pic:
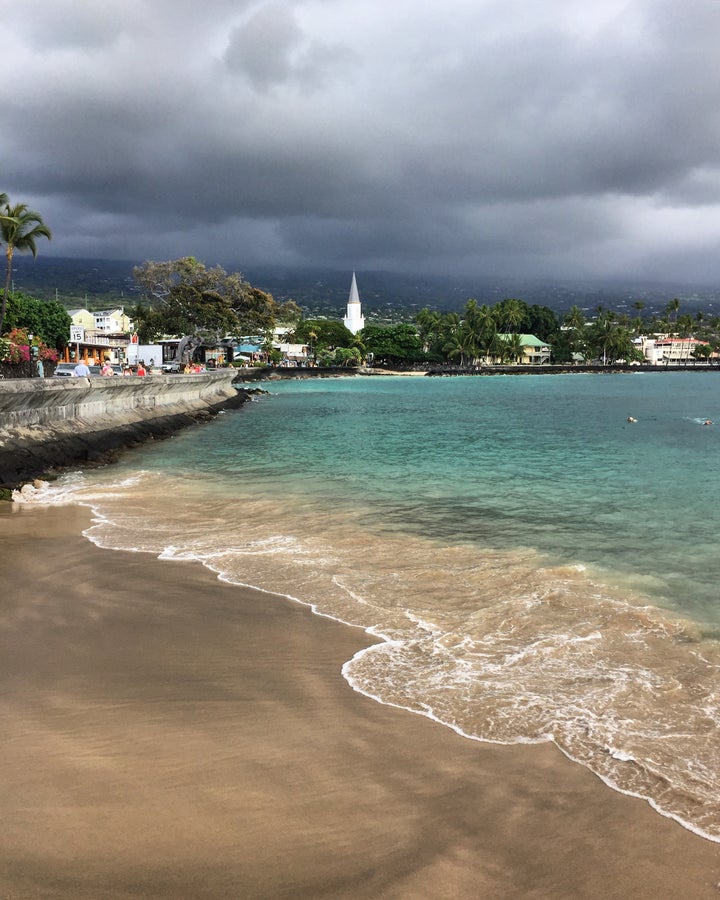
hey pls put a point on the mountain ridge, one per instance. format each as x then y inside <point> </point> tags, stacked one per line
<point>76,281</point>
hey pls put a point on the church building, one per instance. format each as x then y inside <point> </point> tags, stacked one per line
<point>354,319</point>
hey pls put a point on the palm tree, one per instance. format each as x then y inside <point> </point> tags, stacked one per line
<point>473,322</point>
<point>575,324</point>
<point>461,343</point>
<point>428,325</point>
<point>514,347</point>
<point>512,314</point>
<point>486,323</point>
<point>672,307</point>
<point>20,227</point>
<point>604,334</point>
<point>496,352</point>
<point>574,318</point>
<point>684,324</point>
<point>312,338</point>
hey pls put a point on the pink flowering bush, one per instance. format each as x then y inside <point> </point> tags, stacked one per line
<point>16,356</point>
<point>13,353</point>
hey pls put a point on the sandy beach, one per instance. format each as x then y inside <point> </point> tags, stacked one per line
<point>168,736</point>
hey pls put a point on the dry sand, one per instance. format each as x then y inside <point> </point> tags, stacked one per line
<point>165,735</point>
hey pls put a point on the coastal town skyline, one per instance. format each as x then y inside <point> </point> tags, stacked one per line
<point>471,138</point>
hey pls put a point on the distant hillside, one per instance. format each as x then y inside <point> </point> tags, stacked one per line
<point>384,295</point>
<point>75,281</point>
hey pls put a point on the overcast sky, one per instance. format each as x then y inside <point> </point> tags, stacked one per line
<point>566,138</point>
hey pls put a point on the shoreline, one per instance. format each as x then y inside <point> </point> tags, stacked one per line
<point>35,451</point>
<point>197,739</point>
<point>43,451</point>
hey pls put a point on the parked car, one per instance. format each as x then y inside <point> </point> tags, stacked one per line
<point>64,370</point>
<point>97,370</point>
<point>171,367</point>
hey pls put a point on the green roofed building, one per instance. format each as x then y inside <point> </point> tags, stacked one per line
<point>534,351</point>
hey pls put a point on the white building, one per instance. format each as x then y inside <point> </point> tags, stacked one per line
<point>664,349</point>
<point>354,319</point>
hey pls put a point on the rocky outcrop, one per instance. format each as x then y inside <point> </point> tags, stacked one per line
<point>47,425</point>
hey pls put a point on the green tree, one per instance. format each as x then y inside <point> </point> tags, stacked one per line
<point>46,319</point>
<point>702,351</point>
<point>563,347</point>
<point>461,345</point>
<point>574,318</point>
<point>480,324</point>
<point>20,228</point>
<point>610,341</point>
<point>428,323</point>
<point>512,314</point>
<point>449,324</point>
<point>323,334</point>
<point>542,322</point>
<point>684,324</point>
<point>672,307</point>
<point>514,349</point>
<point>348,356</point>
<point>393,344</point>
<point>573,339</point>
<point>184,297</point>
<point>472,329</point>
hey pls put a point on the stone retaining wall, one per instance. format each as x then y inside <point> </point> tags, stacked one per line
<point>47,424</point>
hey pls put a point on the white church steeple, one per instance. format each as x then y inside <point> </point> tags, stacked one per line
<point>354,319</point>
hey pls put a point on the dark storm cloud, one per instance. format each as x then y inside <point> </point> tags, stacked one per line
<point>510,136</point>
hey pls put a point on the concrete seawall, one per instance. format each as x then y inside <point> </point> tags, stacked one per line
<point>50,424</point>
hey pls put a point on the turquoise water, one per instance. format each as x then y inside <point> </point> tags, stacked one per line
<point>543,462</point>
<point>538,567</point>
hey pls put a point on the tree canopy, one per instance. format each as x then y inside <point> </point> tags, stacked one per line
<point>20,228</point>
<point>185,297</point>
<point>396,344</point>
<point>323,334</point>
<point>46,319</point>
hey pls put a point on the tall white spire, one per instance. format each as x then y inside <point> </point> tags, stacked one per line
<point>354,319</point>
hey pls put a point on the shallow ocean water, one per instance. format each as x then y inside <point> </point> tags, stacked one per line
<point>539,568</point>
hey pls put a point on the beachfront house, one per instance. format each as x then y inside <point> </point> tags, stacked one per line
<point>534,351</point>
<point>667,349</point>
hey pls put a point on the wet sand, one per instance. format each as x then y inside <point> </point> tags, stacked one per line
<point>168,736</point>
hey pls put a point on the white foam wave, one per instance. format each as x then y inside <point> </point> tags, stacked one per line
<point>491,645</point>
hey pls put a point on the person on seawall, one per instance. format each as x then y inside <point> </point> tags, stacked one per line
<point>107,369</point>
<point>141,368</point>
<point>81,370</point>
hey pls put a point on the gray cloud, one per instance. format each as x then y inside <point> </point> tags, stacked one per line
<point>503,137</point>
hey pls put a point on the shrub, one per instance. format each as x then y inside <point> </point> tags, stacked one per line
<point>17,353</point>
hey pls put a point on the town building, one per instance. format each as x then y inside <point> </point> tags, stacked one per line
<point>95,336</point>
<point>668,349</point>
<point>354,320</point>
<point>534,351</point>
